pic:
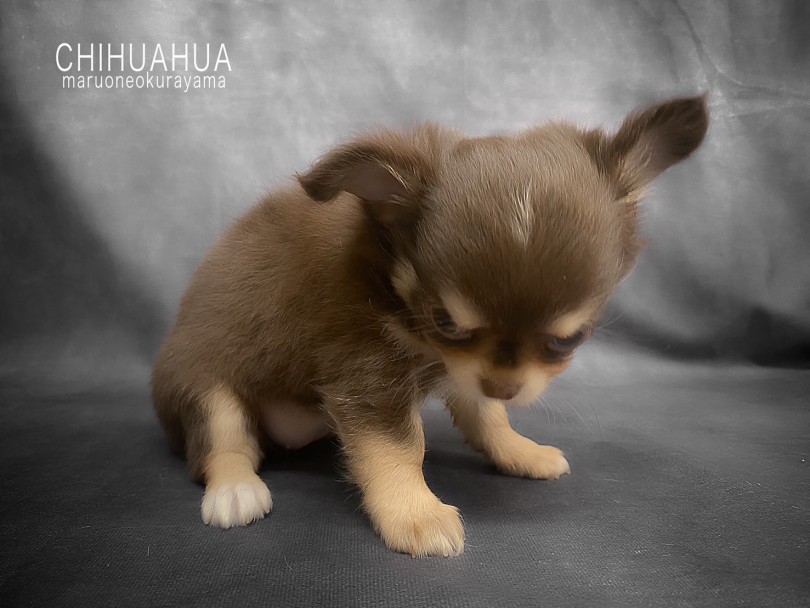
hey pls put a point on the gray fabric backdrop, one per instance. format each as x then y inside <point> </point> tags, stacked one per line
<point>109,198</point>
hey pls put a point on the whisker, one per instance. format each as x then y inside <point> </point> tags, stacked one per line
<point>598,424</point>
<point>415,377</point>
<point>543,406</point>
<point>611,321</point>
<point>574,409</point>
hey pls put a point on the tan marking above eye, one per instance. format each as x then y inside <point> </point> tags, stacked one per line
<point>571,322</point>
<point>464,314</point>
<point>403,278</point>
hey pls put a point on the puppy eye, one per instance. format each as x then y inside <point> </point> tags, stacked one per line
<point>565,346</point>
<point>445,325</point>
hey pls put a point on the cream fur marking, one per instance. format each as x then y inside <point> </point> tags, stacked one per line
<point>464,314</point>
<point>234,494</point>
<point>403,278</point>
<point>466,374</point>
<point>406,514</point>
<point>571,322</point>
<point>534,381</point>
<point>486,428</point>
<point>523,217</point>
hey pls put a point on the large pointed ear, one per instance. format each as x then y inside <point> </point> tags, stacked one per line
<point>389,171</point>
<point>647,143</point>
<point>652,140</point>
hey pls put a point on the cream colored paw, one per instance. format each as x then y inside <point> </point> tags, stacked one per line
<point>229,505</point>
<point>433,530</point>
<point>522,457</point>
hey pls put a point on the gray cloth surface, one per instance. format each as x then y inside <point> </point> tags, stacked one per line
<point>685,419</point>
<point>689,487</point>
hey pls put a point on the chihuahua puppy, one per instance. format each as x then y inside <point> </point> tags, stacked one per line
<point>400,265</point>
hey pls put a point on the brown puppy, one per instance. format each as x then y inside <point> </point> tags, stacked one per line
<point>405,264</point>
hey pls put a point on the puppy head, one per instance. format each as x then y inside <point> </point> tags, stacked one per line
<point>503,250</point>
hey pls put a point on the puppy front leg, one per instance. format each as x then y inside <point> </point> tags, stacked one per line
<point>486,428</point>
<point>234,494</point>
<point>386,463</point>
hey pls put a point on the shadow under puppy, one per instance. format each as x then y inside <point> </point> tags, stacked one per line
<point>403,264</point>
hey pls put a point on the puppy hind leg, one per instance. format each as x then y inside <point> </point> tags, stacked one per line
<point>234,494</point>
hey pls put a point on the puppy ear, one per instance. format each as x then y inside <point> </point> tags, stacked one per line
<point>647,143</point>
<point>389,171</point>
<point>652,140</point>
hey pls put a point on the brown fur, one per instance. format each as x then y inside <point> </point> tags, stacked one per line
<point>328,294</point>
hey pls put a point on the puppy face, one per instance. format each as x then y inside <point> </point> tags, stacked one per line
<point>503,250</point>
<point>489,355</point>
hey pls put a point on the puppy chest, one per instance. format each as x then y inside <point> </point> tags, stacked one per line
<point>293,425</point>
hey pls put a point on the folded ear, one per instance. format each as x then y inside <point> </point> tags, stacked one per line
<point>389,171</point>
<point>652,140</point>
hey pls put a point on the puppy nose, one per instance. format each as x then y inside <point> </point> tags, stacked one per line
<point>499,390</point>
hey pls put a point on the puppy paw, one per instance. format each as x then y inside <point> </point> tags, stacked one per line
<point>238,504</point>
<point>436,529</point>
<point>524,458</point>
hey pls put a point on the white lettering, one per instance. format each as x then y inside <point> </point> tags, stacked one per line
<point>58,63</point>
<point>207,58</point>
<point>226,61</point>
<point>111,56</point>
<point>184,57</point>
<point>143,58</point>
<point>180,76</point>
<point>79,56</point>
<point>155,60</point>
